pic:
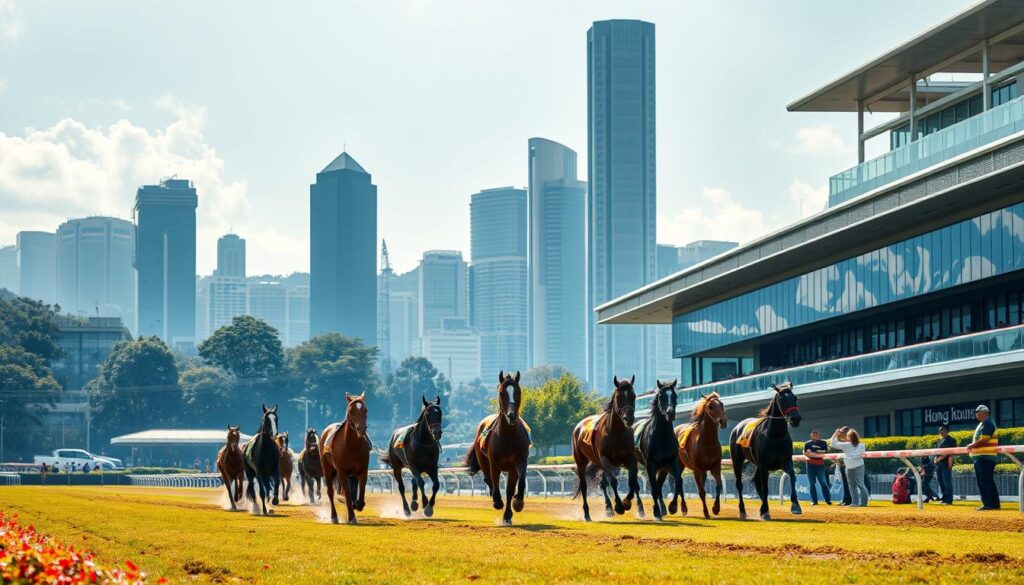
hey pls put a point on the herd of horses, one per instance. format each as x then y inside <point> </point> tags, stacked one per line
<point>602,445</point>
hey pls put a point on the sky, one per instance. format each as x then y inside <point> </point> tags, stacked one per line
<point>436,99</point>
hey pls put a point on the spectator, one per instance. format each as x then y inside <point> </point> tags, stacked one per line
<point>848,441</point>
<point>944,465</point>
<point>927,473</point>
<point>983,452</point>
<point>85,468</point>
<point>840,471</point>
<point>814,450</point>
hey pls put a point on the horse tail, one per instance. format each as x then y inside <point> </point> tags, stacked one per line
<point>472,464</point>
<point>590,477</point>
<point>250,489</point>
<point>385,457</point>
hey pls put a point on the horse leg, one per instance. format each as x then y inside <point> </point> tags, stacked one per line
<point>361,501</point>
<point>329,477</point>
<point>510,492</point>
<point>794,501</point>
<point>660,480</point>
<point>228,484</point>
<point>346,486</point>
<point>611,474</point>
<point>276,479</point>
<point>491,478</point>
<point>717,473</point>
<point>652,479</point>
<point>287,480</point>
<point>701,477</point>
<point>607,500</point>
<point>677,486</point>
<point>423,489</point>
<point>319,488</point>
<point>737,470</point>
<point>397,472</point>
<point>518,501</point>
<point>761,483</point>
<point>415,505</point>
<point>581,474</point>
<point>428,509</point>
<point>634,488</point>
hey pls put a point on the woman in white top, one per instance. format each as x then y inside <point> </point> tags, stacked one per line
<point>848,441</point>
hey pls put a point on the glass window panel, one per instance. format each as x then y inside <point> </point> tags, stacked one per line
<point>1006,238</point>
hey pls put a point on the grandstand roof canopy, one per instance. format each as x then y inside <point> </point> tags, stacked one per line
<point>175,437</point>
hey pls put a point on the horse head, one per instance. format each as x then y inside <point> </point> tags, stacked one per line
<point>431,416</point>
<point>355,413</point>
<point>623,402</point>
<point>311,438</point>
<point>712,407</point>
<point>269,424</point>
<point>509,396</point>
<point>665,400</point>
<point>786,401</point>
<point>282,440</point>
<point>234,435</point>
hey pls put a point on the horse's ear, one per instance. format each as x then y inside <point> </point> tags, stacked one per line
<point>501,376</point>
<point>363,396</point>
<point>264,409</point>
<point>702,396</point>
<point>674,382</point>
<point>348,397</point>
<point>517,376</point>
<point>425,403</point>
<point>437,400</point>
<point>615,381</point>
<point>632,379</point>
<point>274,409</point>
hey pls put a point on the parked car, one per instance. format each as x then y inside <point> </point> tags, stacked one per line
<point>77,459</point>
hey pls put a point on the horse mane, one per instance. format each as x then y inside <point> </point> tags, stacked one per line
<point>764,411</point>
<point>607,406</point>
<point>698,411</point>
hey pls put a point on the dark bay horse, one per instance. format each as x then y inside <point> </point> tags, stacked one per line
<point>770,447</point>
<point>700,450</point>
<point>287,464</point>
<point>604,442</point>
<point>502,443</point>
<point>418,447</point>
<point>656,449</point>
<point>231,465</point>
<point>345,457</point>
<point>310,470</point>
<point>263,461</point>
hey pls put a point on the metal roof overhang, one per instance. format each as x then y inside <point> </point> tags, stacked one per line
<point>175,437</point>
<point>951,46</point>
<point>658,301</point>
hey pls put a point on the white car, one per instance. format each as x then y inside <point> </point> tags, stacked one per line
<point>77,459</point>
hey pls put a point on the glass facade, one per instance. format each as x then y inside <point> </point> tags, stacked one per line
<point>1010,413</point>
<point>969,251</point>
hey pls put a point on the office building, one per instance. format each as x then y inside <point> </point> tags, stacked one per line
<point>899,307</point>
<point>268,300</point>
<point>559,310</point>
<point>231,255</point>
<point>343,251</point>
<point>454,349</point>
<point>37,266</point>
<point>9,277</point>
<point>95,275</point>
<point>498,278</point>
<point>165,261</point>
<point>442,289</point>
<point>621,197</point>
<point>297,316</point>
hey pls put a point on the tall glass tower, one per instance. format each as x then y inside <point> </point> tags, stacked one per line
<point>621,199</point>
<point>95,276</point>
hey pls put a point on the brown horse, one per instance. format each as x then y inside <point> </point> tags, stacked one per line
<point>287,465</point>
<point>310,470</point>
<point>700,450</point>
<point>231,465</point>
<point>502,443</point>
<point>345,457</point>
<point>604,442</point>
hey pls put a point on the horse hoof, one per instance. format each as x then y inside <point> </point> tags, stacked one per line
<point>797,511</point>
<point>360,505</point>
<point>658,518</point>
<point>743,515</point>
<point>407,513</point>
<point>766,516</point>
<point>716,509</point>
<point>334,519</point>
<point>586,518</point>
<point>517,504</point>
<point>428,511</point>
<point>619,508</point>
<point>626,505</point>
<point>707,516</point>
<point>609,512</point>
<point>414,505</point>
<point>672,508</point>
<point>498,504</point>
<point>353,521</point>
<point>640,514</point>
<point>506,522</point>
<point>275,501</point>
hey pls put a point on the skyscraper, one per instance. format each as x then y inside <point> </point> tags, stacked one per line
<point>497,275</point>
<point>343,251</point>
<point>231,255</point>
<point>268,300</point>
<point>297,315</point>
<point>442,289</point>
<point>558,304</point>
<point>9,268</point>
<point>621,197</point>
<point>226,292</point>
<point>165,261</point>
<point>95,276</point>
<point>37,266</point>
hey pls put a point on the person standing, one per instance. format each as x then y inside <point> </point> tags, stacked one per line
<point>983,453</point>
<point>848,441</point>
<point>944,465</point>
<point>815,450</point>
<point>927,474</point>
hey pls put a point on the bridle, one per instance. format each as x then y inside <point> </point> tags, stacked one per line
<point>775,406</point>
<point>430,431</point>
<point>657,399</point>
<point>265,426</point>
<point>617,411</point>
<point>714,419</point>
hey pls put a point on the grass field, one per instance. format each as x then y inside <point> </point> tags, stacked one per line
<point>186,536</point>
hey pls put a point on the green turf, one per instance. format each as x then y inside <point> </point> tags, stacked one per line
<point>185,536</point>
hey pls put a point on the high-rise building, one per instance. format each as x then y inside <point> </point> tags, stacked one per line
<point>268,300</point>
<point>404,308</point>
<point>343,251</point>
<point>621,196</point>
<point>497,276</point>
<point>37,266</point>
<point>699,251</point>
<point>95,276</point>
<point>165,261</point>
<point>203,307</point>
<point>454,349</point>
<point>442,289</point>
<point>231,255</point>
<point>9,268</point>
<point>558,305</point>
<point>297,316</point>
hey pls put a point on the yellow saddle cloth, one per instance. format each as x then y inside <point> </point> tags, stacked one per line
<point>588,425</point>
<point>683,433</point>
<point>488,424</point>
<point>748,432</point>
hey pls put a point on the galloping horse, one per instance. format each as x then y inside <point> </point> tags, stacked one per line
<point>765,441</point>
<point>656,449</point>
<point>502,443</point>
<point>310,469</point>
<point>263,461</point>
<point>418,447</point>
<point>345,457</point>
<point>605,442</point>
<point>287,465</point>
<point>231,465</point>
<point>700,450</point>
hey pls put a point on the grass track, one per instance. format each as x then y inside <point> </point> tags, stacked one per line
<point>184,534</point>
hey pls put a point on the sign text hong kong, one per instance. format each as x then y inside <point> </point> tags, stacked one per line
<point>951,414</point>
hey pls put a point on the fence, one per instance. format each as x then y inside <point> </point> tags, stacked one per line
<point>7,478</point>
<point>186,480</point>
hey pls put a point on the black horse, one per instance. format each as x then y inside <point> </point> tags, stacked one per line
<point>263,461</point>
<point>657,449</point>
<point>770,447</point>
<point>418,447</point>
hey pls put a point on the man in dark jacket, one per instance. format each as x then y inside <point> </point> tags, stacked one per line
<point>944,465</point>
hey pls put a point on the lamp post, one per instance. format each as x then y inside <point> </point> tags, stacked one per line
<point>305,402</point>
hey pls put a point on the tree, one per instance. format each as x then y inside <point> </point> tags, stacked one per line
<point>329,365</point>
<point>137,388</point>
<point>30,325</point>
<point>416,377</point>
<point>208,397</point>
<point>467,404</point>
<point>248,348</point>
<point>552,410</point>
<point>537,376</point>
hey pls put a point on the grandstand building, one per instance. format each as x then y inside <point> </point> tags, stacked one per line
<point>901,305</point>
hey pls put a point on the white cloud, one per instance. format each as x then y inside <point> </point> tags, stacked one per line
<point>718,217</point>
<point>71,170</point>
<point>811,199</point>
<point>10,20</point>
<point>817,139</point>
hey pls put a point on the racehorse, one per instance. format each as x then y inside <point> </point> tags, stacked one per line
<point>263,461</point>
<point>604,442</point>
<point>345,457</point>
<point>231,465</point>
<point>768,446</point>
<point>502,443</point>
<point>656,449</point>
<point>700,450</point>
<point>310,470</point>
<point>287,465</point>
<point>418,447</point>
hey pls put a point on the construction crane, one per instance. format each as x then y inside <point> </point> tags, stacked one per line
<point>384,311</point>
